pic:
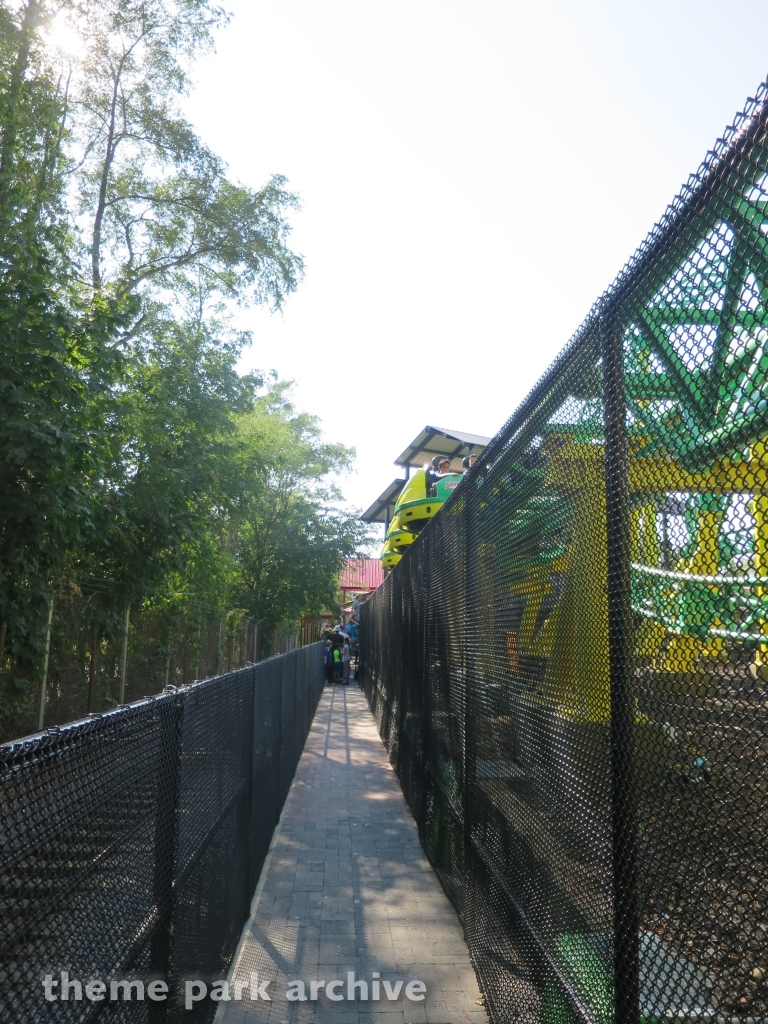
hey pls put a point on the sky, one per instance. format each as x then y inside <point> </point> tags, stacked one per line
<point>472,176</point>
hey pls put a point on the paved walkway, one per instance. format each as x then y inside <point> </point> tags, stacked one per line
<point>347,888</point>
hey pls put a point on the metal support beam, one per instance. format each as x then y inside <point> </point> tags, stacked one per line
<point>626,923</point>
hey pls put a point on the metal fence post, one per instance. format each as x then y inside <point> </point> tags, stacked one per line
<point>468,749</point>
<point>623,794</point>
<point>166,840</point>
<point>124,658</point>
<point>421,671</point>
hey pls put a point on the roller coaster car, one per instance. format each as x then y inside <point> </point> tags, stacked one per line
<point>395,543</point>
<point>397,537</point>
<point>389,557</point>
<point>414,506</point>
<point>400,539</point>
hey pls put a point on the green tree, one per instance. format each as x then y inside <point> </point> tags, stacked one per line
<point>177,441</point>
<point>93,298</point>
<point>136,465</point>
<point>56,357</point>
<point>290,535</point>
<point>162,224</point>
<point>160,210</point>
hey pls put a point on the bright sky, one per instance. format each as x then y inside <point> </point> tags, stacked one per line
<point>473,174</point>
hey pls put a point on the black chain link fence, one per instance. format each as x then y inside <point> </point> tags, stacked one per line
<point>569,667</point>
<point>132,842</point>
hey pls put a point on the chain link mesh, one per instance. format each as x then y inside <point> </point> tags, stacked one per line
<point>569,666</point>
<point>132,842</point>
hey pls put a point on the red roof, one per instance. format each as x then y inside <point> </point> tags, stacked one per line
<point>361,574</point>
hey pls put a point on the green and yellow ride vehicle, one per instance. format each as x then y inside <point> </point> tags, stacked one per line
<point>390,556</point>
<point>415,506</point>
<point>398,537</point>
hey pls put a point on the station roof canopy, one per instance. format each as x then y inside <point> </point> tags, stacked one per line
<point>377,513</point>
<point>440,441</point>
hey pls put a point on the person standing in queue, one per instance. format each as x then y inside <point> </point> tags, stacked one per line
<point>352,631</point>
<point>328,661</point>
<point>346,661</point>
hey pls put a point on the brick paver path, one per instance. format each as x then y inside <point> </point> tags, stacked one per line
<point>348,888</point>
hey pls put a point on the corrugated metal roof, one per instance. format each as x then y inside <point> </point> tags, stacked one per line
<point>441,441</point>
<point>361,574</point>
<point>377,513</point>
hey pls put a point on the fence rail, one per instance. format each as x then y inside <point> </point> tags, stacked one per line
<point>569,667</point>
<point>132,841</point>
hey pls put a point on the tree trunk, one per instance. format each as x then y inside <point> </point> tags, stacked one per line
<point>10,127</point>
<point>92,669</point>
<point>106,169</point>
<point>3,631</point>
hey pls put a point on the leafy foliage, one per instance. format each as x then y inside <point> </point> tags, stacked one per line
<point>137,467</point>
<point>291,536</point>
<point>161,212</point>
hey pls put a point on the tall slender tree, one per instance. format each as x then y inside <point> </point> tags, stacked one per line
<point>136,465</point>
<point>159,208</point>
<point>290,532</point>
<point>56,357</point>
